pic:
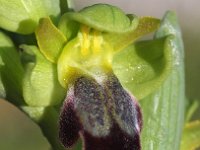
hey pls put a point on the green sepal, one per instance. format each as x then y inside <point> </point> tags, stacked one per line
<point>23,16</point>
<point>40,84</point>
<point>145,26</point>
<point>50,39</point>
<point>11,71</point>
<point>144,66</point>
<point>163,110</point>
<point>191,136</point>
<point>106,18</point>
<point>68,27</point>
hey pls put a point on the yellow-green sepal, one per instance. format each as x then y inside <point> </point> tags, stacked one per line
<point>50,40</point>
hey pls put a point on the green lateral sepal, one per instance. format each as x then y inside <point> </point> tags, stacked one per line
<point>40,85</point>
<point>144,66</point>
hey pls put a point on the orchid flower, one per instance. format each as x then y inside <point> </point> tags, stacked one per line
<point>85,77</point>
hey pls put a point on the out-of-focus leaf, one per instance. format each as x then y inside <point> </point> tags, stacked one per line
<point>40,85</point>
<point>50,39</point>
<point>68,27</point>
<point>120,41</point>
<point>143,67</point>
<point>22,16</point>
<point>104,17</point>
<point>11,71</point>
<point>46,118</point>
<point>163,110</point>
<point>191,136</point>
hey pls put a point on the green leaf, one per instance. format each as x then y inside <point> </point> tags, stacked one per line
<point>11,71</point>
<point>104,17</point>
<point>41,86</point>
<point>163,110</point>
<point>120,41</point>
<point>191,136</point>
<point>22,16</point>
<point>50,39</point>
<point>142,67</point>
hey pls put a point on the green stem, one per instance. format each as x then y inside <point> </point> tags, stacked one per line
<point>66,6</point>
<point>70,4</point>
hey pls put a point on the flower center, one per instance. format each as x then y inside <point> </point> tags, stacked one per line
<point>87,54</point>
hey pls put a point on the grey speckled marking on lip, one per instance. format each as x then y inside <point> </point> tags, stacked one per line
<point>90,106</point>
<point>105,115</point>
<point>124,107</point>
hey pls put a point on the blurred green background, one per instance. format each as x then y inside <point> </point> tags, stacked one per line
<point>17,132</point>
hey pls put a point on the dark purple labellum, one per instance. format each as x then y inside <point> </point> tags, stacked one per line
<point>104,115</point>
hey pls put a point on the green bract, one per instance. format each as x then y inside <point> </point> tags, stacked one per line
<point>163,109</point>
